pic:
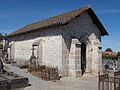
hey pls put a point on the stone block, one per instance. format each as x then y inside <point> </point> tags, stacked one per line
<point>19,82</point>
<point>15,81</point>
<point>3,84</point>
<point>78,73</point>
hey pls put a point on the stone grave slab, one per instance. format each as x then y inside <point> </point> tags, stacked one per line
<point>15,81</point>
<point>3,84</point>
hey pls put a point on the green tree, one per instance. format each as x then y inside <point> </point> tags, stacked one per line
<point>108,50</point>
<point>118,55</point>
<point>1,36</point>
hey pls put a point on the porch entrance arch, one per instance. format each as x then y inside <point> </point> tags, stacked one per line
<point>85,43</point>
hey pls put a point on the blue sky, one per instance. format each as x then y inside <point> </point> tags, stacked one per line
<point>15,14</point>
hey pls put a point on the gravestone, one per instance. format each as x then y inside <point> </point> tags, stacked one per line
<point>14,81</point>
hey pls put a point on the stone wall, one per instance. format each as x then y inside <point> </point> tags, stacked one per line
<point>23,50</point>
<point>75,59</point>
<point>52,52</point>
<point>57,42</point>
<point>83,26</point>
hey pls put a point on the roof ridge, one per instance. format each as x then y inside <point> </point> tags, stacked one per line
<point>57,20</point>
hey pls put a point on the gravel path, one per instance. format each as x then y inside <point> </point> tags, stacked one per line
<point>34,81</point>
<point>87,82</point>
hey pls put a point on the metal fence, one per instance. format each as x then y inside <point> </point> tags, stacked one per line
<point>109,83</point>
<point>45,73</point>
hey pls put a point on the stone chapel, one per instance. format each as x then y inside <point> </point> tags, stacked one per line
<point>70,41</point>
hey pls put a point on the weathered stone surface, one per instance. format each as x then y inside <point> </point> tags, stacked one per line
<point>14,81</point>
<point>3,84</point>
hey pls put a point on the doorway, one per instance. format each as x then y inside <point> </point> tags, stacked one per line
<point>83,58</point>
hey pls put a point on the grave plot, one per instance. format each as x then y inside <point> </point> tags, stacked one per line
<point>45,73</point>
<point>13,81</point>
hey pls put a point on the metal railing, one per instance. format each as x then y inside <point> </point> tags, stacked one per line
<point>45,73</point>
<point>109,83</point>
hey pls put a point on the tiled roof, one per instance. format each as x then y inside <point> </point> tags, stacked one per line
<point>61,20</point>
<point>109,54</point>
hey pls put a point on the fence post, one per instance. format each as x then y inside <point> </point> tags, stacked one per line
<point>119,84</point>
<point>107,84</point>
<point>98,80</point>
<point>114,84</point>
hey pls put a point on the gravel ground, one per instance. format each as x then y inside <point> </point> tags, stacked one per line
<point>87,82</point>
